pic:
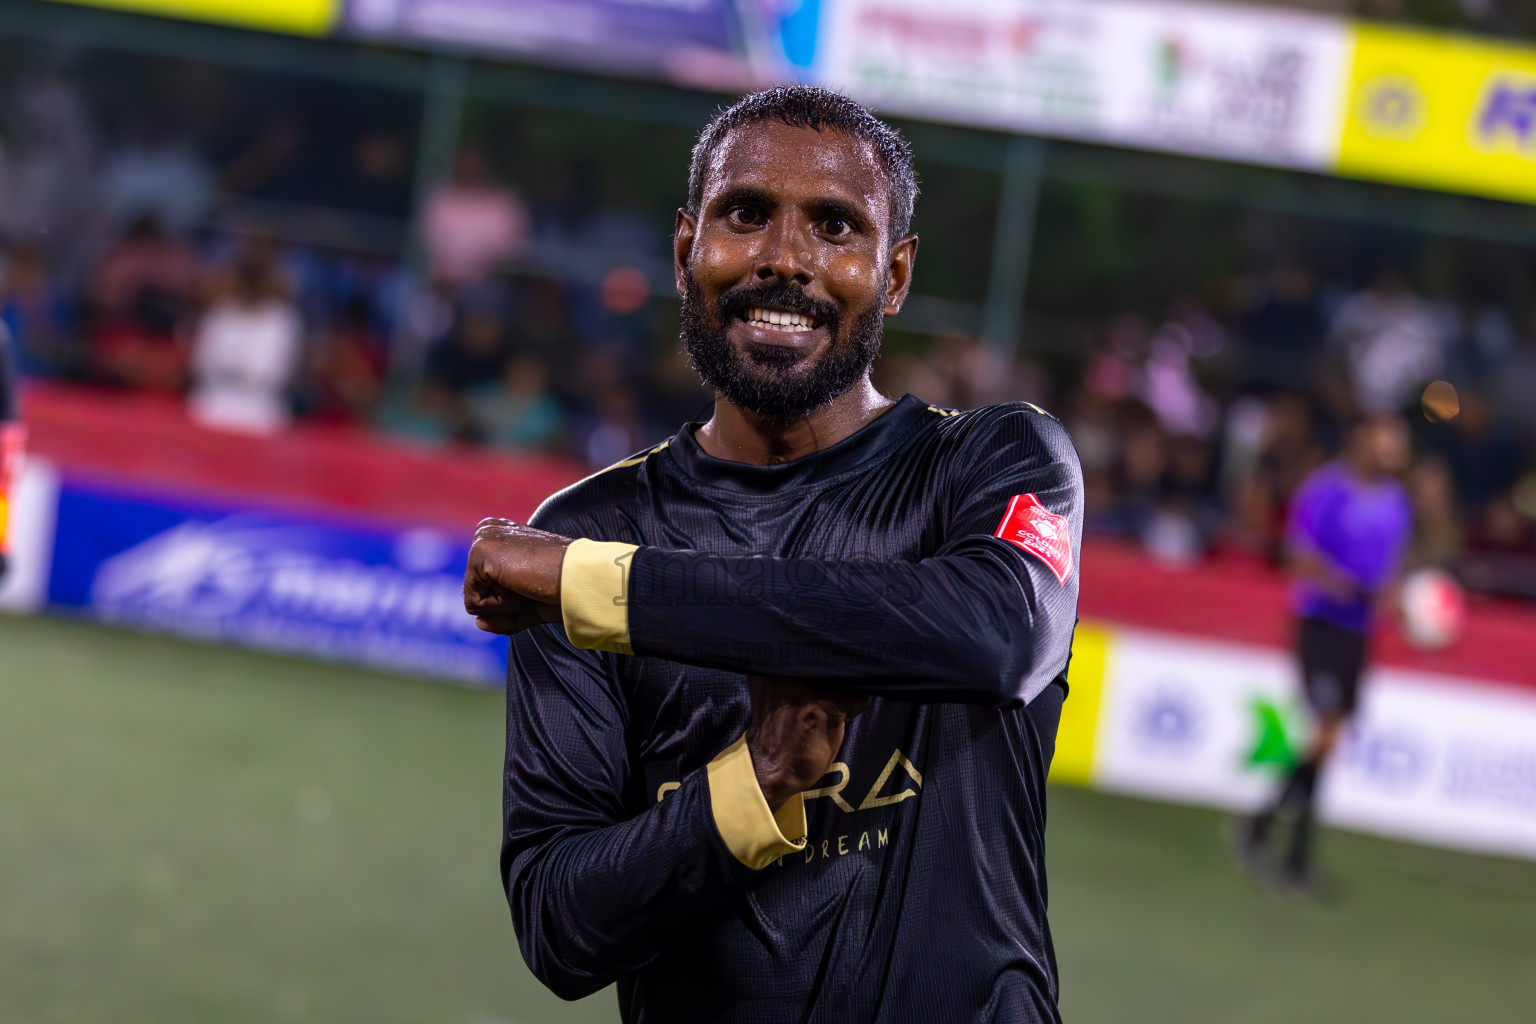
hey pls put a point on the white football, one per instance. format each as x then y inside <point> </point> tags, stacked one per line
<point>1433,608</point>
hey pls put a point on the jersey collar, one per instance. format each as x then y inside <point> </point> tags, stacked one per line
<point>877,437</point>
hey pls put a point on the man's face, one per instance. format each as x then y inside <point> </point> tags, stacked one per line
<point>789,270</point>
<point>1385,446</point>
<point>1393,449</point>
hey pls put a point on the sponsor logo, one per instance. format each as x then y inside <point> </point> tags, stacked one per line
<point>1277,735</point>
<point>1480,772</point>
<point>1032,527</point>
<point>1506,117</point>
<point>1392,759</point>
<point>899,780</point>
<point>1392,107</point>
<point>1169,720</point>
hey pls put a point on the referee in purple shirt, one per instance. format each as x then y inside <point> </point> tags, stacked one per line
<point>1350,524</point>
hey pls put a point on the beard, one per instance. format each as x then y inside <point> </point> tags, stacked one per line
<point>777,383</point>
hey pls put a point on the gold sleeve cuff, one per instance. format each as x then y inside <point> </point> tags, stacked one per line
<point>594,589</point>
<point>755,835</point>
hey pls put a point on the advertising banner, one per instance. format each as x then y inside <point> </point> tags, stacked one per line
<point>1252,84</point>
<point>1441,111</point>
<point>1445,761</point>
<point>688,39</point>
<point>297,17</point>
<point>341,591</point>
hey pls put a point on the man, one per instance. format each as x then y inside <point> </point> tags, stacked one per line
<point>692,808</point>
<point>1350,525</point>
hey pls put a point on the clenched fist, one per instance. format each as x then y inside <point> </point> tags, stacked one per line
<point>795,733</point>
<point>512,581</point>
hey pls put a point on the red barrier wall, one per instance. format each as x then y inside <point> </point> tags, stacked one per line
<point>149,441</point>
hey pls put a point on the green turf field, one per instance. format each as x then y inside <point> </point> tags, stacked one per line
<point>197,835</point>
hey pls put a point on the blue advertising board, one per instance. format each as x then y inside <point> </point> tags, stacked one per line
<point>381,597</point>
<point>730,44</point>
<point>625,35</point>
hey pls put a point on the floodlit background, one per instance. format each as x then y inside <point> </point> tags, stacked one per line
<point>431,240</point>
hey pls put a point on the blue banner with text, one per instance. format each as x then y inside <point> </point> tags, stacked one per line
<point>375,596</point>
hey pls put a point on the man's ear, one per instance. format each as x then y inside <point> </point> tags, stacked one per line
<point>682,247</point>
<point>899,274</point>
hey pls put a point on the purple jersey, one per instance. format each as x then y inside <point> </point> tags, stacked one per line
<point>1358,527</point>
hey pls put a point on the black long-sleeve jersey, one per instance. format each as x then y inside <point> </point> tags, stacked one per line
<point>926,561</point>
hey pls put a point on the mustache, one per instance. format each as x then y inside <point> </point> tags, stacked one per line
<point>735,303</point>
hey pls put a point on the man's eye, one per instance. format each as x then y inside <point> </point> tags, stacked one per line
<point>744,215</point>
<point>836,227</point>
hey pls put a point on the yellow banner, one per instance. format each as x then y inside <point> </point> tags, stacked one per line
<point>1073,762</point>
<point>1443,112</point>
<point>298,17</point>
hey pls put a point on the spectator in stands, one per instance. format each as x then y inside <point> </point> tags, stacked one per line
<point>542,322</point>
<point>1484,453</point>
<point>1189,515</point>
<point>247,348</point>
<point>582,237</point>
<point>1143,461</point>
<point>349,367</point>
<point>1515,380</point>
<point>1284,327</point>
<point>1166,381</point>
<point>1437,531</point>
<point>1091,421</point>
<point>428,416</point>
<point>1503,529</point>
<point>476,350</point>
<point>1501,549</point>
<point>472,225</point>
<point>615,435</point>
<point>1392,341</point>
<point>522,413</point>
<point>612,429</point>
<point>40,320</point>
<point>959,372</point>
<point>1288,450</point>
<point>1486,338</point>
<point>145,294</point>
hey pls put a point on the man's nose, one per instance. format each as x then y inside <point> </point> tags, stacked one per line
<point>784,256</point>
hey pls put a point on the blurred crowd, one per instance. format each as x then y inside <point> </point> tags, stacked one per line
<point>494,323</point>
<point>532,324</point>
<point>475,347</point>
<point>1195,430</point>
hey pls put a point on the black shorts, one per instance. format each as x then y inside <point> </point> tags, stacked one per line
<point>1332,659</point>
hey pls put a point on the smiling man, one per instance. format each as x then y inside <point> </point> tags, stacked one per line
<point>784,689</point>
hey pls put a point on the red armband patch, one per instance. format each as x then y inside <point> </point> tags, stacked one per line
<point>1031,526</point>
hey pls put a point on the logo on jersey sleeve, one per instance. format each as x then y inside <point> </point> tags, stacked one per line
<point>1031,526</point>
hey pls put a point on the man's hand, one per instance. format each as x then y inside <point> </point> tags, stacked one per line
<point>795,734</point>
<point>512,581</point>
<point>1319,571</point>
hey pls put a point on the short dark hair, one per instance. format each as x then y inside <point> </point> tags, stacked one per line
<point>808,106</point>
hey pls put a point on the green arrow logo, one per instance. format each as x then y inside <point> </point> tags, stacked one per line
<point>1278,735</point>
